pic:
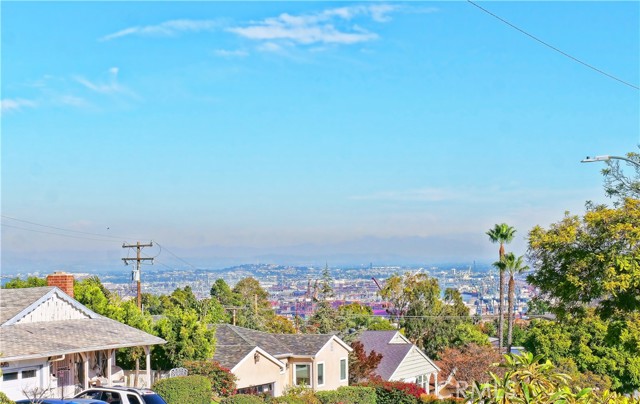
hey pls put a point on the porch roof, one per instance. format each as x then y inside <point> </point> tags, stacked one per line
<point>51,338</point>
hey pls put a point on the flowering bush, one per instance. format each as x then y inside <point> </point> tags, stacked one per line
<point>395,392</point>
<point>223,382</point>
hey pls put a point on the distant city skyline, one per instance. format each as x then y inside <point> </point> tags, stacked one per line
<point>304,131</point>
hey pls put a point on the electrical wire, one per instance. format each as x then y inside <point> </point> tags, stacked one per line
<point>553,47</point>
<point>56,234</point>
<point>182,260</point>
<point>115,237</point>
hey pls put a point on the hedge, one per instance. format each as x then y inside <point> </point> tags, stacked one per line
<point>348,395</point>
<point>184,389</point>
<point>242,399</point>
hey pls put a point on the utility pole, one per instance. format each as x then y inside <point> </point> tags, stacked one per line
<point>138,260</point>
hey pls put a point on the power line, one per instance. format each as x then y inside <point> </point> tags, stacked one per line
<point>554,48</point>
<point>115,237</point>
<point>170,252</point>
<point>55,234</point>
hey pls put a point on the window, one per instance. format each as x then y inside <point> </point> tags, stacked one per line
<point>303,375</point>
<point>266,389</point>
<point>422,381</point>
<point>320,373</point>
<point>26,374</point>
<point>343,369</point>
<point>7,377</point>
<point>133,399</point>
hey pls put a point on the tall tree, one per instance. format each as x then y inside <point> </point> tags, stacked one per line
<point>619,185</point>
<point>590,261</point>
<point>502,234</point>
<point>257,311</point>
<point>428,321</point>
<point>512,264</point>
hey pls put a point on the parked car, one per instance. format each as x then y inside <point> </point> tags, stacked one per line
<point>122,395</point>
<point>61,401</point>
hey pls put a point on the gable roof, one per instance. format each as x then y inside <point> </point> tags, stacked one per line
<point>263,353</point>
<point>234,343</point>
<point>20,340</point>
<point>17,303</point>
<point>392,353</point>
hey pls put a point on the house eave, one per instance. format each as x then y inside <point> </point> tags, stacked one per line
<point>47,354</point>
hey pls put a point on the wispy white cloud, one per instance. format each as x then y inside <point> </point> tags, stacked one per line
<point>477,195</point>
<point>331,26</point>
<point>231,53</point>
<point>15,104</point>
<point>110,87</point>
<point>167,28</point>
<point>424,195</point>
<point>72,101</point>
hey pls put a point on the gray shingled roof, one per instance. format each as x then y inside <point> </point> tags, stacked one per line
<point>231,341</point>
<point>13,301</point>
<point>229,355</point>
<point>392,354</point>
<point>51,338</point>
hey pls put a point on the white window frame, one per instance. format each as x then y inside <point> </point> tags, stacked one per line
<point>346,369</point>
<point>324,377</point>
<point>295,373</point>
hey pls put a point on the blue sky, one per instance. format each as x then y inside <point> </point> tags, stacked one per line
<point>265,126</point>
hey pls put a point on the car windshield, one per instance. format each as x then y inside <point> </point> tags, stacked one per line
<point>153,399</point>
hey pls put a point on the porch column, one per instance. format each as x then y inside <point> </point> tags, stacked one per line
<point>109,365</point>
<point>85,367</point>
<point>437,390</point>
<point>147,352</point>
<point>427,383</point>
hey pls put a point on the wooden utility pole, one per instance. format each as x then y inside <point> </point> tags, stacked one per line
<point>138,260</point>
<point>233,309</point>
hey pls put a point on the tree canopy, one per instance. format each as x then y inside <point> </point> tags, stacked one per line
<point>592,260</point>
<point>430,322</point>
<point>619,185</point>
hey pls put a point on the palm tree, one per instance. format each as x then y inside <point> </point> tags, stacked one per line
<point>503,234</point>
<point>512,265</point>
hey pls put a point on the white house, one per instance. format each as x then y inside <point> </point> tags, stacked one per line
<point>50,341</point>
<point>401,360</point>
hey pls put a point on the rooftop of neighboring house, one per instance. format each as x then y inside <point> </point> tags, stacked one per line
<point>233,343</point>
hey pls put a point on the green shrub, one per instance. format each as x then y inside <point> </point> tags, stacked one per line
<point>4,399</point>
<point>289,400</point>
<point>431,399</point>
<point>348,395</point>
<point>242,399</point>
<point>184,389</point>
<point>223,382</point>
<point>297,395</point>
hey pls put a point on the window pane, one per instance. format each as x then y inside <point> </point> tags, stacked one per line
<point>343,369</point>
<point>302,374</point>
<point>26,374</point>
<point>320,373</point>
<point>6,377</point>
<point>133,399</point>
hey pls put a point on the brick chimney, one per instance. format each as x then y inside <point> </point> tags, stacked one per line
<point>62,280</point>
